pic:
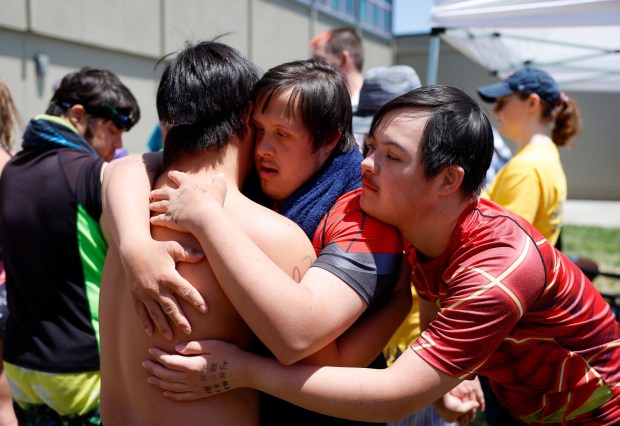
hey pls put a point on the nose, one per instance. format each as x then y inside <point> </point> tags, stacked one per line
<point>368,164</point>
<point>264,147</point>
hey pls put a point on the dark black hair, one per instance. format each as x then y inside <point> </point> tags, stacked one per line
<point>100,92</point>
<point>203,95</point>
<point>457,132</point>
<point>319,96</point>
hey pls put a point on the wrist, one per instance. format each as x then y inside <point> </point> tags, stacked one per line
<point>134,244</point>
<point>207,216</point>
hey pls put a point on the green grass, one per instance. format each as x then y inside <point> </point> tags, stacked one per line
<point>599,244</point>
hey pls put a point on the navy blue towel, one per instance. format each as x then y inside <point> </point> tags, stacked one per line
<point>311,201</point>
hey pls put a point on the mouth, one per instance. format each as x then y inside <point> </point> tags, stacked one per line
<point>267,171</point>
<point>367,185</point>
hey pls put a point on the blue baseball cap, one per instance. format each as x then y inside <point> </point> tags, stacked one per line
<point>527,81</point>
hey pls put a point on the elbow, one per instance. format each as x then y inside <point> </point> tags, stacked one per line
<point>289,352</point>
<point>398,412</point>
<point>288,356</point>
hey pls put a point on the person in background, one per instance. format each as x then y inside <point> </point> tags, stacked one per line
<point>532,111</point>
<point>381,85</point>
<point>496,298</point>
<point>342,48</point>
<point>501,155</point>
<point>50,206</point>
<point>10,123</point>
<point>156,141</point>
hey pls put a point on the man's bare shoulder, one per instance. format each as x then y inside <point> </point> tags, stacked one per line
<point>279,237</point>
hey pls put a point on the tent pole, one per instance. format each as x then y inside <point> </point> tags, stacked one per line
<point>433,56</point>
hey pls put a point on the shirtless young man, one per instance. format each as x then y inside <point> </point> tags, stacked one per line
<point>205,95</point>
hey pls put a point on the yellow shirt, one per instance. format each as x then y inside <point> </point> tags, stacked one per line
<point>406,334</point>
<point>533,185</point>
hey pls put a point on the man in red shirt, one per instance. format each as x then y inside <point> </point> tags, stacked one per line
<point>496,298</point>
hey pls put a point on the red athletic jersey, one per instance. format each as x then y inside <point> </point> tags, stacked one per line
<point>360,250</point>
<point>516,310</point>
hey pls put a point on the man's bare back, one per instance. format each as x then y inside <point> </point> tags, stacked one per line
<point>126,397</point>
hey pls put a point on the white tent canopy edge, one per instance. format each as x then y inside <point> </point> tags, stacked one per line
<point>578,42</point>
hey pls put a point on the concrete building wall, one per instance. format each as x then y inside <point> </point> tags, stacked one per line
<point>591,166</point>
<point>129,37</point>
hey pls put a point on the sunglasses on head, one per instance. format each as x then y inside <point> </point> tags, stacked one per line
<point>107,111</point>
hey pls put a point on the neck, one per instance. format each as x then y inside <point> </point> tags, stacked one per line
<point>431,234</point>
<point>532,132</point>
<point>355,80</point>
<point>207,164</point>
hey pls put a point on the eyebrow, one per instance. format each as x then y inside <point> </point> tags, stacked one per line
<point>394,144</point>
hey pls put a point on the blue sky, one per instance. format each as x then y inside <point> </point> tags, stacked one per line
<point>411,16</point>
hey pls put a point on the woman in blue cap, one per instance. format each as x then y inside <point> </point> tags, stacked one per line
<point>532,111</point>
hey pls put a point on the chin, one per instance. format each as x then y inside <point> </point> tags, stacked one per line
<point>273,193</point>
<point>370,207</point>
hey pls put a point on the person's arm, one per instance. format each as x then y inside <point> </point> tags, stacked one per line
<point>362,342</point>
<point>150,264</point>
<point>353,393</point>
<point>466,390</point>
<point>357,347</point>
<point>292,320</point>
<point>428,312</point>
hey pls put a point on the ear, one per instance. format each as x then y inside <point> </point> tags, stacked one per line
<point>450,179</point>
<point>328,148</point>
<point>247,118</point>
<point>345,60</point>
<point>533,101</point>
<point>76,114</point>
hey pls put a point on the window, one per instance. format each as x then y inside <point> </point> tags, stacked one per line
<point>371,15</point>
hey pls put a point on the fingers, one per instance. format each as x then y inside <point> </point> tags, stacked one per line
<point>177,177</point>
<point>161,220</point>
<point>172,311</point>
<point>469,408</point>
<point>184,396</point>
<point>163,373</point>
<point>195,347</point>
<point>180,285</point>
<point>143,316</point>
<point>160,320</point>
<point>479,394</point>
<point>159,206</point>
<point>165,385</point>
<point>177,368</point>
<point>162,309</point>
<point>181,253</point>
<point>193,296</point>
<point>160,194</point>
<point>154,313</point>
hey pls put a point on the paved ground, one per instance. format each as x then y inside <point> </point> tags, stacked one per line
<point>605,214</point>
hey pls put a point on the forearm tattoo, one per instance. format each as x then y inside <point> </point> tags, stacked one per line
<point>215,377</point>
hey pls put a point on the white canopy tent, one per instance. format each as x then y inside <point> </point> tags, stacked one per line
<point>576,41</point>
